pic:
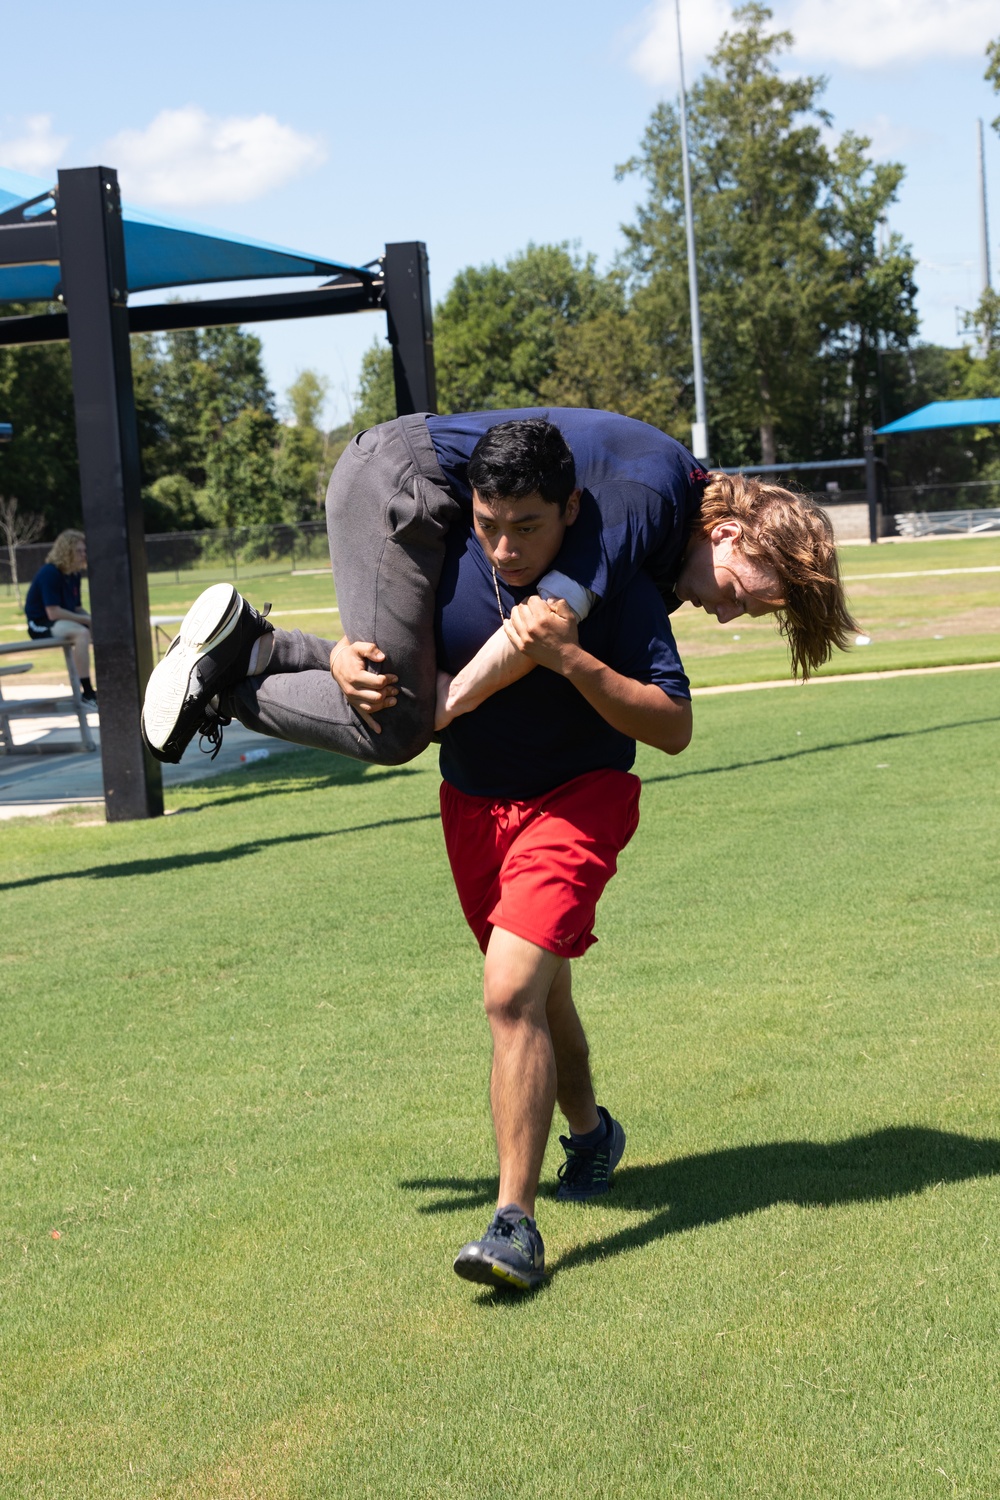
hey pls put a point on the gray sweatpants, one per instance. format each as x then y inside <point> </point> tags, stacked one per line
<point>388,509</point>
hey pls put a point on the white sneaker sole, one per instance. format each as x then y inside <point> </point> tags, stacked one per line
<point>203,627</point>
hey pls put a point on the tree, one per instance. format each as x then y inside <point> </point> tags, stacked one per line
<point>542,329</point>
<point>496,331</point>
<point>992,74</point>
<point>189,386</point>
<point>785,255</point>
<point>242,487</point>
<point>302,465</point>
<point>875,290</point>
<point>610,362</point>
<point>36,396</point>
<point>376,398</point>
<point>17,528</point>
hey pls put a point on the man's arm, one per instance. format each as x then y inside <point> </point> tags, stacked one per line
<point>547,632</point>
<point>56,612</point>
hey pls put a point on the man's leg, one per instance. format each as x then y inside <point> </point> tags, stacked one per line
<point>388,513</point>
<point>574,1085</point>
<point>516,984</point>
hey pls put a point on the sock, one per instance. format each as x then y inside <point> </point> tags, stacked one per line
<point>592,1137</point>
<point>86,685</point>
<point>260,654</point>
<point>513,1213</point>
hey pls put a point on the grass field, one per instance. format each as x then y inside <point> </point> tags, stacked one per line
<point>916,614</point>
<point>243,1130</point>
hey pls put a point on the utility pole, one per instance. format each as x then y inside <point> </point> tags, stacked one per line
<point>699,432</point>
<point>984,224</point>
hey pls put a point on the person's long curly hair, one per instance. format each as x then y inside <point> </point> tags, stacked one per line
<point>790,534</point>
<point>63,548</point>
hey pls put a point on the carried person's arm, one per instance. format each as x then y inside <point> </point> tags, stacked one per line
<point>498,663</point>
<point>546,631</point>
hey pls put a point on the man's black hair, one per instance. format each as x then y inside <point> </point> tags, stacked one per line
<point>525,457</point>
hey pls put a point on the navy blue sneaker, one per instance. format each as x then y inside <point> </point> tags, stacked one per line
<point>510,1253</point>
<point>211,653</point>
<point>586,1171</point>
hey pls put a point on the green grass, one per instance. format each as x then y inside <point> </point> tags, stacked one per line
<point>245,1080</point>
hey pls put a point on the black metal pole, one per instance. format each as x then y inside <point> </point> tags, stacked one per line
<point>92,257</point>
<point>871,485</point>
<point>407,300</point>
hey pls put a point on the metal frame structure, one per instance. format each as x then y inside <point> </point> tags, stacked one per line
<point>84,236</point>
<point>876,475</point>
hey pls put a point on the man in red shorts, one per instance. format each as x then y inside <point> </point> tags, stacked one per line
<point>537,801</point>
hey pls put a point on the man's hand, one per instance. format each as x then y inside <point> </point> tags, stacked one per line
<point>367,691</point>
<point>545,630</point>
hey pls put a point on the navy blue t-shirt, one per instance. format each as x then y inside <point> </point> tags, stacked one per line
<point>541,732</point>
<point>641,491</point>
<point>51,585</point>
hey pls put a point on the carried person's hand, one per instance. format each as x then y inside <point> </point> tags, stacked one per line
<point>355,669</point>
<point>543,629</point>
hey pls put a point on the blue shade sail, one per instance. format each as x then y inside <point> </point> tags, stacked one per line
<point>982,413</point>
<point>159,252</point>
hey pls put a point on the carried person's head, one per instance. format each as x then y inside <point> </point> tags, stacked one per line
<point>69,552</point>
<point>524,496</point>
<point>760,549</point>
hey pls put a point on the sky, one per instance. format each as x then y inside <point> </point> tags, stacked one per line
<point>335,128</point>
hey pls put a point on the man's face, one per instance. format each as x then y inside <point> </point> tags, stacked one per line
<point>79,556</point>
<point>522,537</point>
<point>716,576</point>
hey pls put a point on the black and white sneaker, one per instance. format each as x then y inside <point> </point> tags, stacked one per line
<point>211,653</point>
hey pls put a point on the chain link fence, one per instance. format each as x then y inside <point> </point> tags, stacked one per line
<point>228,553</point>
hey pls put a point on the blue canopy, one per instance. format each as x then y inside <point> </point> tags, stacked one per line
<point>159,252</point>
<point>981,413</point>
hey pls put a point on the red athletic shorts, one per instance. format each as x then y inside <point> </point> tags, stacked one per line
<point>538,868</point>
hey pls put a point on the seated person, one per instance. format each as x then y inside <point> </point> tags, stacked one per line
<point>727,544</point>
<point>53,604</point>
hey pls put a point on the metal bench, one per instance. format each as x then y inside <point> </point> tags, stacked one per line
<point>25,708</point>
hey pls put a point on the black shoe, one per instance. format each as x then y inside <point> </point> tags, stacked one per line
<point>586,1171</point>
<point>88,697</point>
<point>211,653</point>
<point>510,1253</point>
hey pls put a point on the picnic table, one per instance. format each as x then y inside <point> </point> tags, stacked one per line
<point>23,708</point>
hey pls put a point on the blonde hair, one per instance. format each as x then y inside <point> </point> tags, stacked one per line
<point>63,548</point>
<point>793,537</point>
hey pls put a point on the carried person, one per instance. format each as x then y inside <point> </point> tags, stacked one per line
<point>645,504</point>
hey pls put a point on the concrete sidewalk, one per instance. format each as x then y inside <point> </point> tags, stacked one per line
<point>34,784</point>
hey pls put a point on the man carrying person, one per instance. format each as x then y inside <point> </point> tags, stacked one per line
<point>537,801</point>
<point>394,494</point>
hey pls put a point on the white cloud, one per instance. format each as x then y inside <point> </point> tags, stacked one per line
<point>702,23</point>
<point>187,158</point>
<point>35,149</point>
<point>873,33</point>
<point>863,33</point>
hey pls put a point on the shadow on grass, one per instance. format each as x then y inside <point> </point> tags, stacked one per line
<point>353,773</point>
<point>770,760</point>
<point>169,862</point>
<point>696,1191</point>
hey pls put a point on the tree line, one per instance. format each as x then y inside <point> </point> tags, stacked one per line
<point>809,327</point>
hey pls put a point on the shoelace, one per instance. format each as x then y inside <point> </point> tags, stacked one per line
<point>581,1161</point>
<point>210,733</point>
